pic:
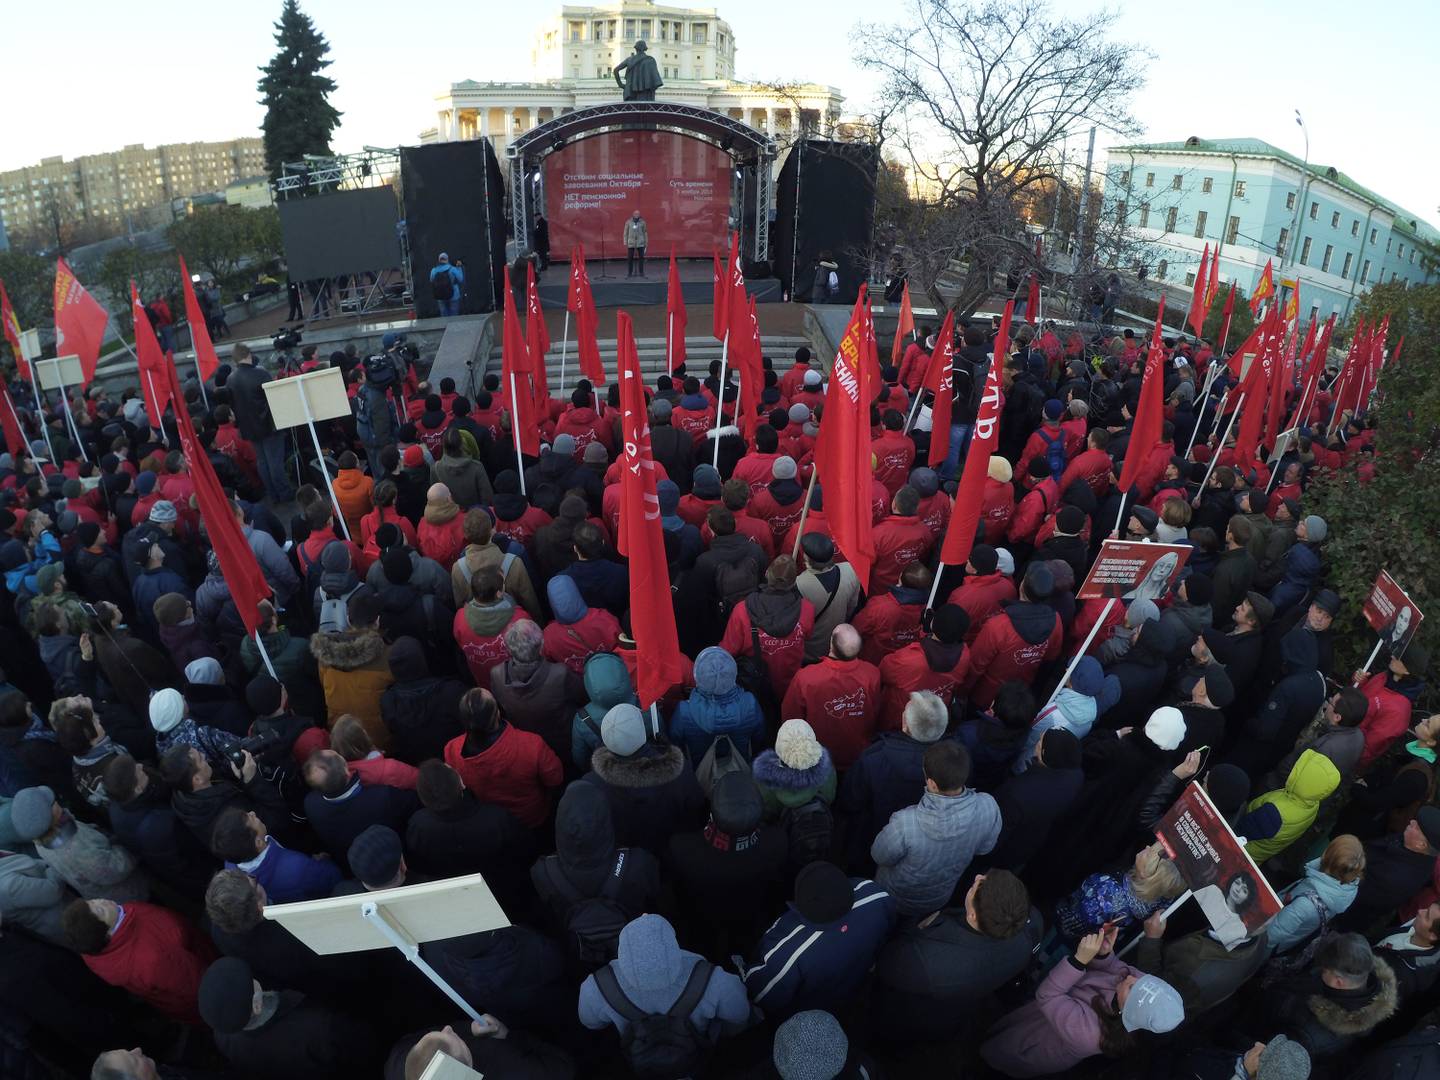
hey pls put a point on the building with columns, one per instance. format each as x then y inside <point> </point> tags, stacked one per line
<point>574,52</point>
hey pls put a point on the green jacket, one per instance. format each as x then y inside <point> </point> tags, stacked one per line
<point>1310,782</point>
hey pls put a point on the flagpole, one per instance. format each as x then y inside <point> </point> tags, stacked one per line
<point>1204,395</point>
<point>320,460</point>
<point>19,427</point>
<point>515,430</point>
<point>935,585</point>
<point>265,657</point>
<point>670,344</point>
<point>39,404</point>
<point>1079,655</point>
<point>720,398</point>
<point>914,411</point>
<point>1220,445</point>
<point>804,513</point>
<point>70,418</point>
<point>564,343</point>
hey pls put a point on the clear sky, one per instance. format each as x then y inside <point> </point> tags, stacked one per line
<point>104,74</point>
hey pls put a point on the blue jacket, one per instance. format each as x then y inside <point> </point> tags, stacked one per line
<point>1302,572</point>
<point>457,277</point>
<point>1300,917</point>
<point>888,776</point>
<point>804,965</point>
<point>289,876</point>
<point>150,585</point>
<point>716,707</point>
<point>602,584</point>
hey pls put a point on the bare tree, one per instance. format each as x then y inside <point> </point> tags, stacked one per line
<point>984,93</point>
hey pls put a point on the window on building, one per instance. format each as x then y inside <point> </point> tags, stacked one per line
<point>1282,244</point>
<point>720,42</point>
<point>1123,178</point>
<point>1232,231</point>
<point>1388,241</point>
<point>610,28</point>
<point>1412,256</point>
<point>1190,278</point>
<point>1355,227</point>
<point>629,29</point>
<point>1315,313</point>
<point>1305,252</point>
<point>664,34</point>
<point>1120,214</point>
<point>700,33</point>
<point>1149,179</point>
<point>1207,185</point>
<point>1160,270</point>
<point>1365,272</point>
<point>644,28</point>
<point>1335,220</point>
<point>1400,252</point>
<point>1392,277</point>
<point>577,30</point>
<point>1290,201</point>
<point>1239,189</point>
<point>1170,216</point>
<point>1144,215</point>
<point>1345,266</point>
<point>1314,211</point>
<point>1325,262</point>
<point>1372,235</point>
<point>1176,181</point>
<point>597,31</point>
<point>1200,219</point>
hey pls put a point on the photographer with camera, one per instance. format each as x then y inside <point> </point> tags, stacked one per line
<point>201,792</point>
<point>252,417</point>
<point>376,418</point>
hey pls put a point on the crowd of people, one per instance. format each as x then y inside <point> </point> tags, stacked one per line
<point>866,833</point>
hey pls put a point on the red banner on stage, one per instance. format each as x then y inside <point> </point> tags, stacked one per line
<point>680,185</point>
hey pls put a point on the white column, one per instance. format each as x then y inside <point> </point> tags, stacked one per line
<point>534,119</point>
<point>482,121</point>
<point>509,124</point>
<point>770,122</point>
<point>794,117</point>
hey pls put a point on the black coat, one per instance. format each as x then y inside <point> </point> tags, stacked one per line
<point>473,838</point>
<point>675,450</point>
<point>1393,874</point>
<point>887,776</point>
<point>149,830</point>
<point>304,1039</point>
<point>422,715</point>
<point>517,973</point>
<point>339,820</point>
<point>1030,805</point>
<point>197,810</point>
<point>737,889</point>
<point>282,962</point>
<point>653,794</point>
<point>252,409</point>
<point>102,579</point>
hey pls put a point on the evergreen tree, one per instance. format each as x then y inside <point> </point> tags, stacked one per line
<point>298,115</point>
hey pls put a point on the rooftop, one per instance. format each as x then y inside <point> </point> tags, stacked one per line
<point>1405,220</point>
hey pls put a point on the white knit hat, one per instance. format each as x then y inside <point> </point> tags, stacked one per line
<point>1166,728</point>
<point>796,745</point>
<point>167,708</point>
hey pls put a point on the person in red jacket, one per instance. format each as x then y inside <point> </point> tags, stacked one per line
<point>811,392</point>
<point>891,620</point>
<point>479,627</point>
<point>780,502</point>
<point>1042,498</point>
<point>754,469</point>
<point>900,540</point>
<point>984,591</point>
<point>937,664</point>
<point>704,493</point>
<point>515,518</point>
<point>577,631</point>
<point>1391,694</point>
<point>442,529</point>
<point>894,453</point>
<point>487,413</point>
<point>1172,485</point>
<point>839,697</point>
<point>1092,465</point>
<point>778,618</point>
<point>935,506</point>
<point>997,502</point>
<point>1015,643</point>
<point>321,518</point>
<point>582,422</point>
<point>916,361</point>
<point>693,414</point>
<point>1049,432</point>
<point>794,439</point>
<point>814,523</point>
<point>501,764</point>
<point>793,379</point>
<point>1076,426</point>
<point>145,950</point>
<point>384,514</point>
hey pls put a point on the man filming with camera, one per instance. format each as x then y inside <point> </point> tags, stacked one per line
<point>252,417</point>
<point>376,417</point>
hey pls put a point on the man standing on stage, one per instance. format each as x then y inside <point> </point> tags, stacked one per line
<point>446,280</point>
<point>637,238</point>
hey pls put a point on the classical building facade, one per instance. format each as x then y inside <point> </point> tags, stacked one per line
<point>136,183</point>
<point>1256,203</point>
<point>572,57</point>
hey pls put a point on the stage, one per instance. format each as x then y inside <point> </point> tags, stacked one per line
<point>611,288</point>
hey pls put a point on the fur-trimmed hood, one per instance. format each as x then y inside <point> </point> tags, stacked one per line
<point>1335,1017</point>
<point>769,771</point>
<point>651,766</point>
<point>348,650</point>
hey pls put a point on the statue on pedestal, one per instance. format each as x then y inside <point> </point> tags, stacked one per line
<point>641,75</point>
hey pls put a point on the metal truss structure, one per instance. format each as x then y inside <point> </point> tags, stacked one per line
<point>372,167</point>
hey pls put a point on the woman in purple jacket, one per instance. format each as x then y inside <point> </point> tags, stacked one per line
<point>1091,1003</point>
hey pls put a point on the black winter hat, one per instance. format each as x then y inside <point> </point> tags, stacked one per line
<point>1060,748</point>
<point>823,894</point>
<point>1199,589</point>
<point>1147,517</point>
<point>1070,519</point>
<point>227,995</point>
<point>375,855</point>
<point>397,566</point>
<point>984,558</point>
<point>735,804</point>
<point>1039,582</point>
<point>262,694</point>
<point>949,623</point>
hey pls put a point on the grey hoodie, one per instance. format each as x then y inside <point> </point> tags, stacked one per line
<point>925,848</point>
<point>33,895</point>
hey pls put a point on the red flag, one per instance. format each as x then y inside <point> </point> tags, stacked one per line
<point>1395,356</point>
<point>537,342</point>
<point>1314,366</point>
<point>206,362</point>
<point>906,325</point>
<point>1347,385</point>
<point>1032,301</point>
<point>940,379</point>
<point>587,319</point>
<point>1225,318</point>
<point>1213,288</point>
<point>11,327</point>
<point>237,561</point>
<point>658,666</point>
<point>10,421</point>
<point>960,533</point>
<point>1376,361</point>
<point>718,316</point>
<point>154,386</point>
<point>1254,389</point>
<point>676,318</point>
<point>515,367</point>
<point>743,352</point>
<point>1264,288</point>
<point>79,321</point>
<point>842,449</point>
<point>1281,380</point>
<point>1196,318</point>
<point>1150,412</point>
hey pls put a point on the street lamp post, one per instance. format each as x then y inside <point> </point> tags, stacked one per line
<point>1289,256</point>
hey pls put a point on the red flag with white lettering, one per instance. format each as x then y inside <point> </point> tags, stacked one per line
<point>658,665</point>
<point>515,367</point>
<point>79,321</point>
<point>842,449</point>
<point>587,319</point>
<point>960,533</point>
<point>1150,412</point>
<point>940,380</point>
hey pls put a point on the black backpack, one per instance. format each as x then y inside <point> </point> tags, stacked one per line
<point>592,923</point>
<point>810,829</point>
<point>752,673</point>
<point>734,582</point>
<point>660,1046</point>
<point>442,285</point>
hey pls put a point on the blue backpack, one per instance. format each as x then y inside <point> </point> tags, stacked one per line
<point>1054,454</point>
